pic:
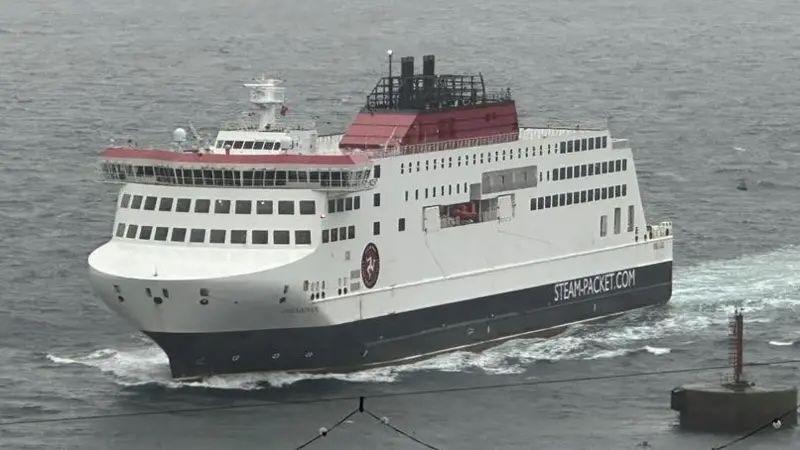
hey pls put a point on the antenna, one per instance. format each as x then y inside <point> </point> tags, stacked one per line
<point>268,96</point>
<point>390,52</point>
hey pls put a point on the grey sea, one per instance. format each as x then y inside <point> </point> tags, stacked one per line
<point>708,93</point>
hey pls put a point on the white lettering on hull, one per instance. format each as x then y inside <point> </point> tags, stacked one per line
<point>598,284</point>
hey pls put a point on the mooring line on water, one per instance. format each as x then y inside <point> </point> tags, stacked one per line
<point>776,423</point>
<point>393,394</point>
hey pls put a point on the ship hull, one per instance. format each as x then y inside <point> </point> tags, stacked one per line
<point>406,336</point>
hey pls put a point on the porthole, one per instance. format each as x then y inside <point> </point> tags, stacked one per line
<point>309,354</point>
<point>165,293</point>
<point>204,292</point>
<point>339,291</point>
<point>276,355</point>
<point>235,358</point>
<point>121,299</point>
<point>282,300</point>
<point>158,300</point>
<point>203,301</point>
<point>364,353</point>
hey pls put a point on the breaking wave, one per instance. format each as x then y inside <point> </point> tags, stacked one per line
<point>703,298</point>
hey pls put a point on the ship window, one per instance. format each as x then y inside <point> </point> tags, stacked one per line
<point>285,207</point>
<point>569,172</point>
<point>197,235</point>
<point>569,146</point>
<point>617,190</point>
<point>145,232</point>
<point>202,205</point>
<point>569,198</point>
<point>222,207</point>
<point>219,144</point>
<point>427,164</point>
<point>258,145</point>
<point>416,194</point>
<point>281,237</point>
<point>259,237</point>
<point>120,229</point>
<point>584,147</point>
<point>269,178</point>
<point>604,143</point>
<point>217,237</point>
<point>618,165</point>
<point>178,234</point>
<point>271,146</point>
<point>264,207</point>
<point>591,195</point>
<point>603,225</point>
<point>126,198</point>
<point>302,237</point>
<point>449,189</point>
<point>248,145</point>
<point>417,166</point>
<point>591,143</point>
<point>604,193</point>
<point>555,174</point>
<point>624,190</point>
<point>280,178</point>
<point>611,166</point>
<point>132,229</point>
<point>148,171</point>
<point>597,193</point>
<point>434,164</point>
<point>624,164</point>
<point>334,234</point>
<point>314,176</point>
<point>583,196</point>
<point>562,173</point>
<point>351,232</point>
<point>348,203</point>
<point>630,218</point>
<point>339,204</point>
<point>150,203</point>
<point>450,162</point>
<point>292,174</point>
<point>547,202</point>
<point>376,199</point>
<point>561,199</point>
<point>166,204</point>
<point>342,233</point>
<point>563,146</point>
<point>331,206</point>
<point>402,168</point>
<point>533,204</point>
<point>244,206</point>
<point>583,170</point>
<point>540,202</point>
<point>237,144</point>
<point>228,144</point>
<point>307,207</point>
<point>597,142</point>
<point>605,166</point>
<point>357,202</point>
<point>161,233</point>
<point>376,228</point>
<point>591,169</point>
<point>617,220</point>
<point>182,205</point>
<point>137,202</point>
<point>336,179</point>
<point>238,237</point>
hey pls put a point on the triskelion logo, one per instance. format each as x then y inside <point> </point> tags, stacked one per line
<point>370,265</point>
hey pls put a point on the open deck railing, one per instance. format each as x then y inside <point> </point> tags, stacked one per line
<point>444,145</point>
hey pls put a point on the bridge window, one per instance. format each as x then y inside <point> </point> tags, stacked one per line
<point>259,237</point>
<point>161,233</point>
<point>285,207</point>
<point>302,237</point>
<point>217,236</point>
<point>258,145</point>
<point>132,229</point>
<point>126,198</point>
<point>197,235</point>
<point>136,203</point>
<point>238,144</point>
<point>182,205</point>
<point>281,237</point>
<point>238,237</point>
<point>308,207</point>
<point>166,204</point>
<point>222,207</point>
<point>178,235</point>
<point>264,207</point>
<point>244,206</point>
<point>248,145</point>
<point>202,205</point>
<point>120,229</point>
<point>150,203</point>
<point>145,232</point>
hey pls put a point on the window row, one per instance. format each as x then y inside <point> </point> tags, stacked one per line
<point>169,204</point>
<point>247,178</point>
<point>339,234</point>
<point>249,145</point>
<point>587,170</point>
<point>442,190</point>
<point>200,235</point>
<point>569,198</point>
<point>344,204</point>
<point>581,145</point>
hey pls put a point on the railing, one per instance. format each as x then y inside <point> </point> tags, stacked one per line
<point>251,123</point>
<point>444,145</point>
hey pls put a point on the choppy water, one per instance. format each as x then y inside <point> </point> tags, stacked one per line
<point>707,92</point>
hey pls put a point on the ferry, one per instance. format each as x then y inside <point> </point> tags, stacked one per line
<point>435,222</point>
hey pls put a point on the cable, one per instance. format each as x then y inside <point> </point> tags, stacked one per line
<point>757,430</point>
<point>324,432</point>
<point>392,394</point>
<point>399,431</point>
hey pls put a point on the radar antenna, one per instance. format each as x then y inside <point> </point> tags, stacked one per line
<point>268,96</point>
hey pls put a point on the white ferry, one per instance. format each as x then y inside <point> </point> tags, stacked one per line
<point>435,222</point>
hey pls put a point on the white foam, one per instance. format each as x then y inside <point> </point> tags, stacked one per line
<point>781,343</point>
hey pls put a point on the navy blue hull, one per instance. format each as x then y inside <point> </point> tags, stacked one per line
<point>384,339</point>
